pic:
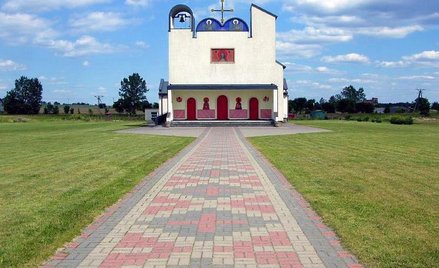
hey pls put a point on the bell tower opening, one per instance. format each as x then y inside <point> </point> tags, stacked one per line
<point>181,17</point>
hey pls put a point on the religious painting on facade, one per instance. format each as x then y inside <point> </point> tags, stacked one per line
<point>223,55</point>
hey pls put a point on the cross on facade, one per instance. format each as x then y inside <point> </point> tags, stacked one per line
<point>222,10</point>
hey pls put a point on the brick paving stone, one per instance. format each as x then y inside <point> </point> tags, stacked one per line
<point>219,203</point>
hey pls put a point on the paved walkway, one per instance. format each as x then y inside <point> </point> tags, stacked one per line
<point>246,131</point>
<point>217,204</point>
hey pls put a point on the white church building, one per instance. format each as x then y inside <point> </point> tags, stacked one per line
<point>223,70</point>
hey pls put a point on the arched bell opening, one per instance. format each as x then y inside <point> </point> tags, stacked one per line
<point>181,17</point>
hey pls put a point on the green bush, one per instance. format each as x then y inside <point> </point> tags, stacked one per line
<point>377,120</point>
<point>401,120</point>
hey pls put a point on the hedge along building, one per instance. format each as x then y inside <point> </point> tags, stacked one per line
<point>223,70</point>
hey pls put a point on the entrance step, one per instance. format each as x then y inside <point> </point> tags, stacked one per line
<point>228,123</point>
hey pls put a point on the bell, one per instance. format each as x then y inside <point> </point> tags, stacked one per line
<point>182,18</point>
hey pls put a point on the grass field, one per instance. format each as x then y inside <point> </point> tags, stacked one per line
<point>56,177</point>
<point>377,185</point>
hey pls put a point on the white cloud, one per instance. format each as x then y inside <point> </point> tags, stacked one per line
<point>327,6</point>
<point>311,35</point>
<point>299,50</point>
<point>86,63</point>
<point>29,29</point>
<point>387,32</point>
<point>9,65</point>
<point>300,68</point>
<point>142,44</point>
<point>338,80</point>
<point>141,3</point>
<point>323,69</point>
<point>335,21</point>
<point>23,28</point>
<point>53,80</point>
<point>391,64</point>
<point>417,77</point>
<point>309,42</point>
<point>342,80</point>
<point>61,91</point>
<point>84,46</point>
<point>425,58</point>
<point>348,58</point>
<point>99,21</point>
<point>102,90</point>
<point>47,5</point>
<point>311,84</point>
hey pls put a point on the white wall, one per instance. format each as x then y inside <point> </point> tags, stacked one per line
<point>255,57</point>
<point>148,114</point>
<point>190,58</point>
<point>163,105</point>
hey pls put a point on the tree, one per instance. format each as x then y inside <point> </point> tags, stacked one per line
<point>310,105</point>
<point>56,109</point>
<point>290,106</point>
<point>435,106</point>
<point>350,93</point>
<point>146,105</point>
<point>346,106</point>
<point>155,105</point>
<point>423,106</point>
<point>132,93</point>
<point>49,108</point>
<point>365,107</point>
<point>328,107</point>
<point>299,104</point>
<point>66,109</point>
<point>25,98</point>
<point>118,106</point>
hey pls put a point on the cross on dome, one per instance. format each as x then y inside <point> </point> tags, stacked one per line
<point>222,10</point>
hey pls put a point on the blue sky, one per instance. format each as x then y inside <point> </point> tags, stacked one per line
<point>82,48</point>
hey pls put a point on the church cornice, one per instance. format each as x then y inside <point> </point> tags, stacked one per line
<point>222,87</point>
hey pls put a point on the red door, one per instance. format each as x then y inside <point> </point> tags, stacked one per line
<point>254,109</point>
<point>222,106</point>
<point>191,109</point>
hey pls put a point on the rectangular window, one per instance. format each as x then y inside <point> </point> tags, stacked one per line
<point>223,55</point>
<point>154,116</point>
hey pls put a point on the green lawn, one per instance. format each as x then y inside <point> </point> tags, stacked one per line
<point>377,185</point>
<point>56,177</point>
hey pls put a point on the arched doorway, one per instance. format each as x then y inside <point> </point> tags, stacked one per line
<point>254,109</point>
<point>191,109</point>
<point>222,106</point>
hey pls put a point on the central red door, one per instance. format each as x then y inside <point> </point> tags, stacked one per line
<point>222,106</point>
<point>254,109</point>
<point>191,109</point>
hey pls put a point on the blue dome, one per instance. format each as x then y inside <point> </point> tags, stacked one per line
<point>232,25</point>
<point>208,25</point>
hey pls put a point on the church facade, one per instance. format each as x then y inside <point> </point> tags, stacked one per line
<point>223,70</point>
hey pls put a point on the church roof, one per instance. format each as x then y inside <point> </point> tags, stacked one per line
<point>281,64</point>
<point>264,10</point>
<point>163,88</point>
<point>223,87</point>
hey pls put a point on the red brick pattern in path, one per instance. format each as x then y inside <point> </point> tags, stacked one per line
<point>216,207</point>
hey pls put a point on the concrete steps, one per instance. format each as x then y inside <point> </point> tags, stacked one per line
<point>228,123</point>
